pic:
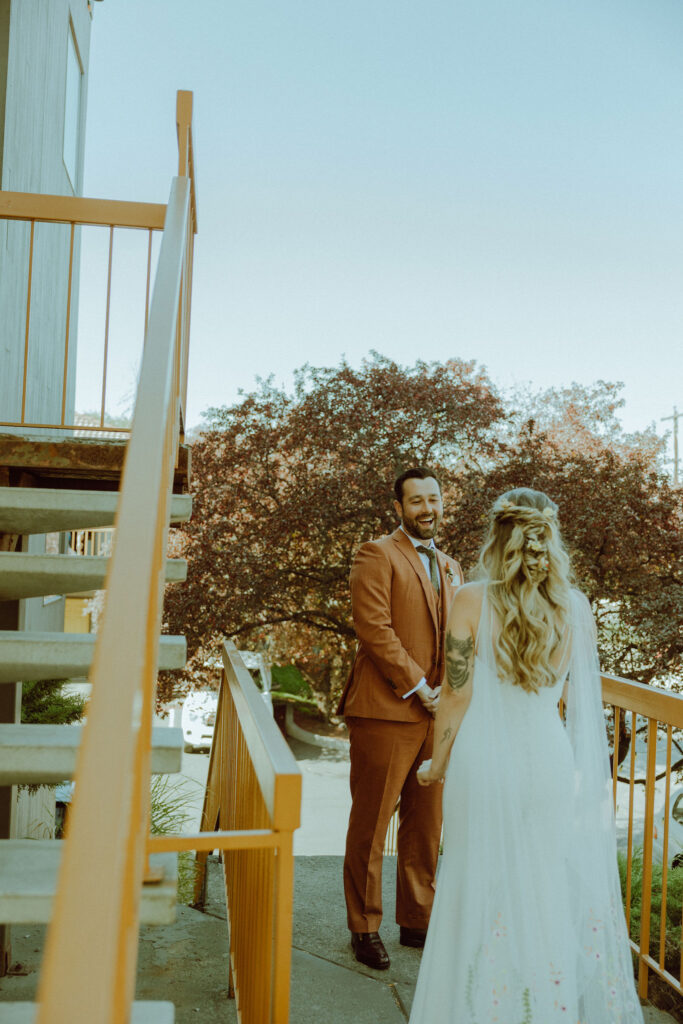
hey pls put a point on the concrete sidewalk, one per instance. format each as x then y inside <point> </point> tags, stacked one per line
<point>187,962</point>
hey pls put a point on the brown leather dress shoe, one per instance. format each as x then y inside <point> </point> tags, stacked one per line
<point>369,949</point>
<point>414,937</point>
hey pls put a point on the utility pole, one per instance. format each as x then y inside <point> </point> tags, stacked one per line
<point>676,416</point>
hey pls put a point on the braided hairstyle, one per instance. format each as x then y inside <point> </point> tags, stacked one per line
<point>527,566</point>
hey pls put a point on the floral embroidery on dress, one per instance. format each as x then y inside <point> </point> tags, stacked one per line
<point>505,986</point>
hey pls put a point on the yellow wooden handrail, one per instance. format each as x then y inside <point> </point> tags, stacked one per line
<point>89,965</point>
<point>650,701</point>
<point>251,808</point>
<point>32,206</point>
<point>661,709</point>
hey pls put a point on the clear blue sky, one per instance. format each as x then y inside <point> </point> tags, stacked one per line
<point>491,180</point>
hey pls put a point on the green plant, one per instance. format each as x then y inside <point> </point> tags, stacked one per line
<point>288,679</point>
<point>169,815</point>
<point>46,703</point>
<point>290,686</point>
<point>674,907</point>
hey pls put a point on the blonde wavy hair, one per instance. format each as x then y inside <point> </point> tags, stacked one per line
<point>528,569</point>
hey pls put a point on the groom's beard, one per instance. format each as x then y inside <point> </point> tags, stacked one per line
<point>421,531</point>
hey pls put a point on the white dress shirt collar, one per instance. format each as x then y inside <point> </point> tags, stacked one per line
<point>416,542</point>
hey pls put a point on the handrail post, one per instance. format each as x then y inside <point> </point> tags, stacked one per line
<point>282,928</point>
<point>183,122</point>
<point>646,891</point>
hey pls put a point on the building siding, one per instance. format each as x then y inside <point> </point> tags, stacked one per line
<point>35,59</point>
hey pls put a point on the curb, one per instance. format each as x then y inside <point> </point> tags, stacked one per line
<point>312,738</point>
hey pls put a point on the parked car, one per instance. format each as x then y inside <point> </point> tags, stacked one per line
<point>675,845</point>
<point>198,719</point>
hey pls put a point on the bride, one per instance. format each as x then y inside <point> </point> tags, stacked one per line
<point>527,925</point>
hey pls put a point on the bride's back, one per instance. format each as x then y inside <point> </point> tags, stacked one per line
<point>526,569</point>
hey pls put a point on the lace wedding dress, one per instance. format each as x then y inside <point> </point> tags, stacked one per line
<point>527,925</point>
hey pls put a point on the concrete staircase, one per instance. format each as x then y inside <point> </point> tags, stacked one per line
<point>46,754</point>
<point>143,1013</point>
<point>23,576</point>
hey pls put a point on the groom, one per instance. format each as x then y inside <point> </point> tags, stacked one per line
<point>401,590</point>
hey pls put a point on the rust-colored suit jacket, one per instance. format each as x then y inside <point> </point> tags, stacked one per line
<point>400,628</point>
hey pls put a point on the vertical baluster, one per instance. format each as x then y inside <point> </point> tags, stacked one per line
<point>28,321</point>
<point>665,850</point>
<point>67,330</point>
<point>629,865</point>
<point>646,892</point>
<point>106,327</point>
<point>149,276</point>
<point>615,755</point>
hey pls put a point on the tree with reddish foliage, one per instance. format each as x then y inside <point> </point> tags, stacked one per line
<point>287,486</point>
<point>620,517</point>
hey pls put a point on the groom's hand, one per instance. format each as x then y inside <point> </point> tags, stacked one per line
<point>426,774</point>
<point>429,698</point>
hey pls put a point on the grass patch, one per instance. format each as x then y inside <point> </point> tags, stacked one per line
<point>674,908</point>
<point>169,815</point>
<point>660,993</point>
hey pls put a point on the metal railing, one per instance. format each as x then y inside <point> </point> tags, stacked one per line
<point>90,957</point>
<point>40,249</point>
<point>251,808</point>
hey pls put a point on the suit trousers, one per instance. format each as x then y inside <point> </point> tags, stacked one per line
<point>385,756</point>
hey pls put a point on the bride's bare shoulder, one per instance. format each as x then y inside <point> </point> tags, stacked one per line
<point>467,602</point>
<point>472,591</point>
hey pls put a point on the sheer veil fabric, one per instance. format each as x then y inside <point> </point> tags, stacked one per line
<point>528,925</point>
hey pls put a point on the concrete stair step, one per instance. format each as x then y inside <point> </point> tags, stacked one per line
<point>46,754</point>
<point>142,1013</point>
<point>28,881</point>
<point>24,575</point>
<point>51,510</point>
<point>35,656</point>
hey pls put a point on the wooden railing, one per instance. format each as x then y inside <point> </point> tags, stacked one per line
<point>90,957</point>
<point>98,541</point>
<point>76,213</point>
<point>661,719</point>
<point>251,809</point>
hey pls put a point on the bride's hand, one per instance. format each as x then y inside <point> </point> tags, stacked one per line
<point>426,775</point>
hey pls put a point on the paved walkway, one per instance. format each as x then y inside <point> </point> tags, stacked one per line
<point>187,961</point>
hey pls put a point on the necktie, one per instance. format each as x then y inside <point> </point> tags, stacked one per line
<point>433,568</point>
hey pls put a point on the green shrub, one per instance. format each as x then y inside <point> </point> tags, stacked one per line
<point>674,907</point>
<point>45,703</point>
<point>288,679</point>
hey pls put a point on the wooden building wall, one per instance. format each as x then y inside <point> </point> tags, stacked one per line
<point>34,42</point>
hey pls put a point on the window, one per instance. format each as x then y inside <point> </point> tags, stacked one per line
<point>72,108</point>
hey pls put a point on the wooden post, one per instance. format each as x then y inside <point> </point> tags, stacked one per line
<point>646,892</point>
<point>10,711</point>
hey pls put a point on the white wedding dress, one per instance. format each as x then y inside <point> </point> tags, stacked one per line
<point>527,925</point>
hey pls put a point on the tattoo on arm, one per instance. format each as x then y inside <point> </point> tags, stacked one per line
<point>448,732</point>
<point>458,660</point>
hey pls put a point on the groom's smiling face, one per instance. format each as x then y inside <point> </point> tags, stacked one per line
<point>420,509</point>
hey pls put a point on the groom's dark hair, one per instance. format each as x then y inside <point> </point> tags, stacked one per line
<point>416,473</point>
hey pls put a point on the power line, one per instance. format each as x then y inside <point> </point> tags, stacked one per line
<point>676,416</point>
